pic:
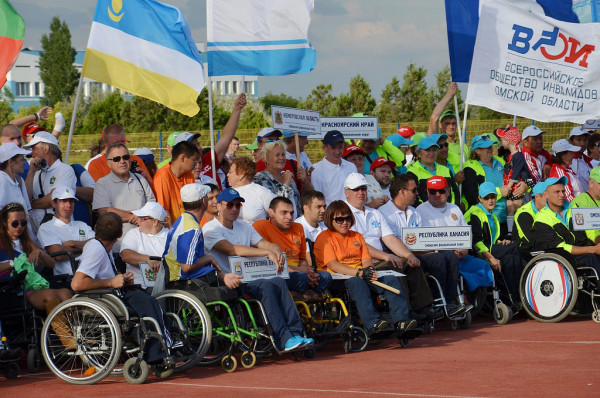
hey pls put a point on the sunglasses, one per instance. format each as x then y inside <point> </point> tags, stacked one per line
<point>482,138</point>
<point>272,139</point>
<point>237,205</point>
<point>341,220</point>
<point>359,189</point>
<point>16,223</point>
<point>117,159</point>
<point>434,192</point>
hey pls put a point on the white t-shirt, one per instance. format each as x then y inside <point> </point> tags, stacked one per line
<point>95,262</point>
<point>13,191</point>
<point>447,216</point>
<point>148,244</point>
<point>257,199</point>
<point>329,178</point>
<point>304,159</point>
<point>371,224</point>
<point>55,232</point>
<point>241,234</point>
<point>398,219</point>
<point>59,174</point>
<point>310,232</point>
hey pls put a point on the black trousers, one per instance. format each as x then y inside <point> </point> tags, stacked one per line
<point>511,264</point>
<point>414,285</point>
<point>206,288</point>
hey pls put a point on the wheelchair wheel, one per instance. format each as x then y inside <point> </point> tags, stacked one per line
<point>248,359</point>
<point>502,314</point>
<point>466,323</point>
<point>11,371</point>
<point>548,288</point>
<point>33,360</point>
<point>95,335</point>
<point>196,323</point>
<point>135,374</point>
<point>596,316</point>
<point>229,363</point>
<point>355,340</point>
<point>261,343</point>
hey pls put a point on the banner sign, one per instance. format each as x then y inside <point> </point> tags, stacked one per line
<point>253,268</point>
<point>353,128</point>
<point>534,66</point>
<point>585,218</point>
<point>437,238</point>
<point>379,273</point>
<point>300,120</point>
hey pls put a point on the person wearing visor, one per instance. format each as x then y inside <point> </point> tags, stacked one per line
<point>560,166</point>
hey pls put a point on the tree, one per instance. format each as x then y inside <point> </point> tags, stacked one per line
<point>415,102</point>
<point>59,75</point>
<point>388,109</point>
<point>360,96</point>
<point>320,99</point>
<point>103,113</point>
<point>6,112</point>
<point>278,99</point>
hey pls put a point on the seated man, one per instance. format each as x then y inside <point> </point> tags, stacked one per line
<point>97,270</point>
<point>289,236</point>
<point>227,236</point>
<point>590,198</point>
<point>523,221</point>
<point>313,206</point>
<point>553,229</point>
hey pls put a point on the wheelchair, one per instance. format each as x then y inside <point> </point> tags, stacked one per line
<point>101,328</point>
<point>551,288</point>
<point>462,320</point>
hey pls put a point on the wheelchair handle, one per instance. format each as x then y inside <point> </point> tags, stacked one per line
<point>71,256</point>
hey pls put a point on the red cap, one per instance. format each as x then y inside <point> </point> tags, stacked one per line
<point>511,133</point>
<point>380,161</point>
<point>436,182</point>
<point>406,131</point>
<point>31,128</point>
<point>350,149</point>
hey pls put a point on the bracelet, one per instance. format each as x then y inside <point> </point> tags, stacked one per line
<point>155,258</point>
<point>37,117</point>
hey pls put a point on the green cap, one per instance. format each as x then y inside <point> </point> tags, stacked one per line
<point>447,113</point>
<point>253,146</point>
<point>171,139</point>
<point>417,138</point>
<point>595,174</point>
<point>493,138</point>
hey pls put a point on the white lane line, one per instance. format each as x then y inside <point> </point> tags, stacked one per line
<point>540,341</point>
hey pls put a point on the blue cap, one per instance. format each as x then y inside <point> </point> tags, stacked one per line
<point>290,133</point>
<point>229,195</point>
<point>539,188</point>
<point>487,188</point>
<point>428,142</point>
<point>481,141</point>
<point>333,137</point>
<point>397,140</point>
<point>439,136</point>
<point>555,180</point>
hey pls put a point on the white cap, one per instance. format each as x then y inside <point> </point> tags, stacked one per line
<point>592,124</point>
<point>10,150</point>
<point>42,136</point>
<point>577,130</point>
<point>563,145</point>
<point>151,209</point>
<point>193,192</point>
<point>62,192</point>
<point>355,180</point>
<point>268,131</point>
<point>143,151</point>
<point>185,136</point>
<point>531,131</point>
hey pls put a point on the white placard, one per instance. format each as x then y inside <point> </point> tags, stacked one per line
<point>148,276</point>
<point>380,273</point>
<point>437,238</point>
<point>353,128</point>
<point>253,268</point>
<point>585,218</point>
<point>300,120</point>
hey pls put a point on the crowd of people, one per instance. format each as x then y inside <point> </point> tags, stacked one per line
<point>342,214</point>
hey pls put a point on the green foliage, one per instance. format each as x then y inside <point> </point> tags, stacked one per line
<point>6,112</point>
<point>320,99</point>
<point>103,113</point>
<point>360,98</point>
<point>389,108</point>
<point>59,75</point>
<point>415,99</point>
<point>278,99</point>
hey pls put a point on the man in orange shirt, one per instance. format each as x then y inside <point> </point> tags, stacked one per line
<point>169,179</point>
<point>289,236</point>
<point>98,167</point>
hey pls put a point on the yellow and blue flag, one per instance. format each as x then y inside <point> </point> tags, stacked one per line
<point>145,48</point>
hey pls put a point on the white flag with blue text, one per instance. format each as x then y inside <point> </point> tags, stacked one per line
<point>259,37</point>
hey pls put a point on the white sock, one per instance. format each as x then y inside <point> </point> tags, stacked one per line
<point>59,122</point>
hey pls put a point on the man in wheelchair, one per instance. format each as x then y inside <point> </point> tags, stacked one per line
<point>97,270</point>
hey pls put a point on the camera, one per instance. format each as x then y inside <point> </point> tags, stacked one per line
<point>134,166</point>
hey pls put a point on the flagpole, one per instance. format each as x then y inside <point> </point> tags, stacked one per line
<point>73,119</point>
<point>514,121</point>
<point>460,137</point>
<point>210,120</point>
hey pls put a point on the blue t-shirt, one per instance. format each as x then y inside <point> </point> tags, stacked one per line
<point>494,175</point>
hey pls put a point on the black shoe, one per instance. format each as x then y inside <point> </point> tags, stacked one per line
<point>455,309</point>
<point>405,325</point>
<point>380,325</point>
<point>420,316</point>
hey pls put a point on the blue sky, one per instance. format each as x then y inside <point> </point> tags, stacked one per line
<point>376,39</point>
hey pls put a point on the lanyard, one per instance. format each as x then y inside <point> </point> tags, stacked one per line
<point>114,267</point>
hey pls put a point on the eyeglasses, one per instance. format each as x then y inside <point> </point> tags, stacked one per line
<point>482,138</point>
<point>434,192</point>
<point>272,139</point>
<point>237,205</point>
<point>16,223</point>
<point>117,159</point>
<point>363,188</point>
<point>414,190</point>
<point>341,220</point>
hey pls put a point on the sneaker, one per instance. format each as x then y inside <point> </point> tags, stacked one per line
<point>307,341</point>
<point>408,324</point>
<point>381,325</point>
<point>455,309</point>
<point>293,343</point>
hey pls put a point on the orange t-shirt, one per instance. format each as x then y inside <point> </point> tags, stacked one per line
<point>167,186</point>
<point>349,250</point>
<point>292,241</point>
<point>98,167</point>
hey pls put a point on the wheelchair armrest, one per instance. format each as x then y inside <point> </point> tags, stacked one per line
<point>71,256</point>
<point>537,253</point>
<point>96,292</point>
<point>14,280</point>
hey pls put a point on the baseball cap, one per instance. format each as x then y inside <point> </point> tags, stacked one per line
<point>540,187</point>
<point>417,138</point>
<point>171,138</point>
<point>380,161</point>
<point>446,114</point>
<point>428,142</point>
<point>439,136</point>
<point>532,131</point>
<point>594,174</point>
<point>350,149</point>
<point>436,182</point>
<point>31,128</point>
<point>398,140</point>
<point>290,133</point>
<point>487,188</point>
<point>592,124</point>
<point>62,192</point>
<point>563,145</point>
<point>333,137</point>
<point>512,134</point>
<point>154,210</point>
<point>555,180</point>
<point>253,146</point>
<point>578,130</point>
<point>481,141</point>
<point>355,180</point>
<point>145,154</point>
<point>42,136</point>
<point>186,136</point>
<point>268,131</point>
<point>193,192</point>
<point>406,131</point>
<point>229,195</point>
<point>493,138</point>
<point>9,150</point>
